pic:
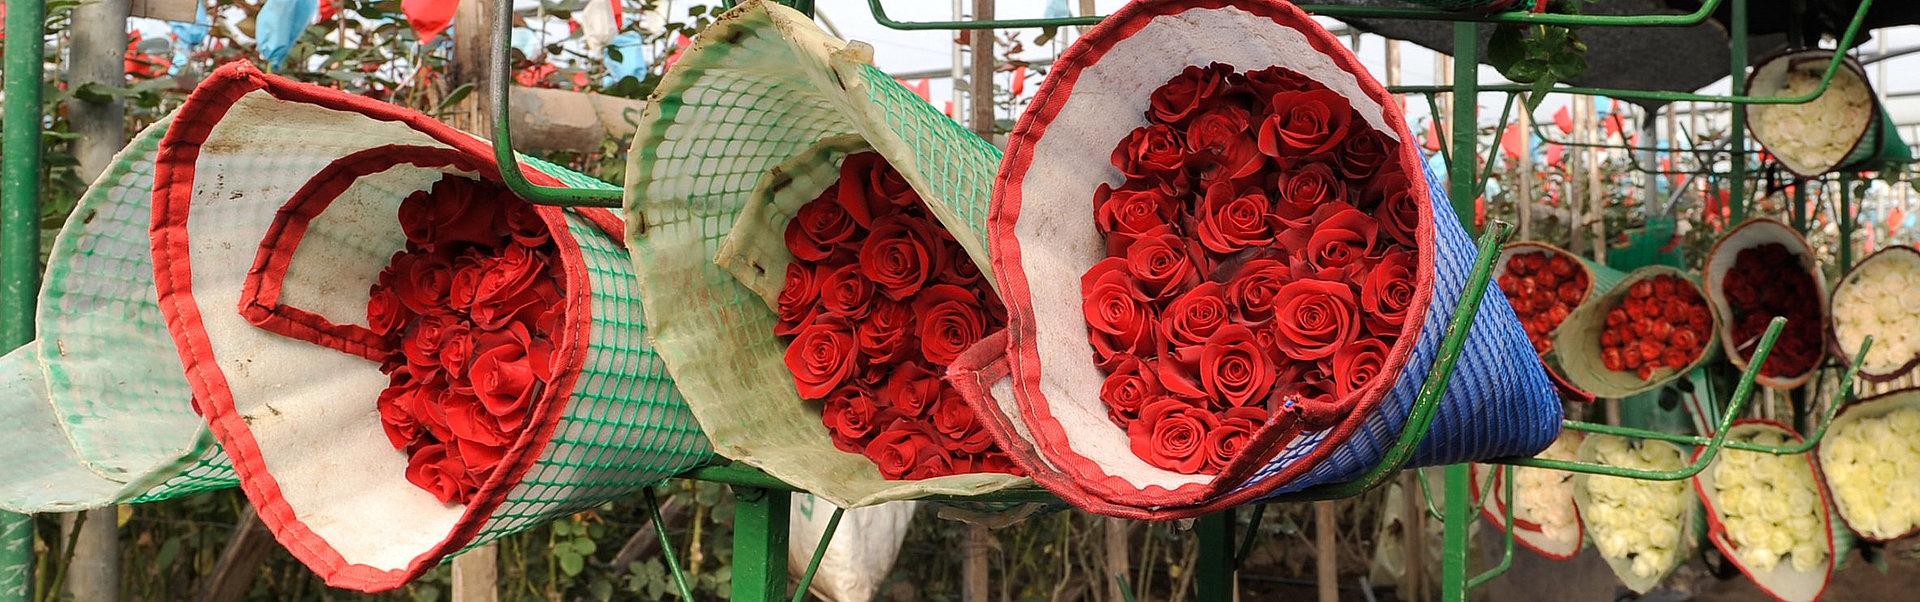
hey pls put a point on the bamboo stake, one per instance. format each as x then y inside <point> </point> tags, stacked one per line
<point>476,575</point>
<point>1524,196</point>
<point>1596,193</point>
<point>1325,556</point>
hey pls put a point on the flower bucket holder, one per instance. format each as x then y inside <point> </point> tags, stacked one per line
<point>279,198</point>
<point>1721,259</point>
<point>1530,534</point>
<point>1781,581</point>
<point>1577,342</point>
<point>1847,483</point>
<point>103,415</point>
<point>1037,386</point>
<point>1870,136</point>
<point>749,124</point>
<point>1600,279</point>
<point>1904,347</point>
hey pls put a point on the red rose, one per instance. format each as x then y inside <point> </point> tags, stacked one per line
<point>1398,212</point>
<point>456,348</point>
<point>1252,290</point>
<point>1155,153</point>
<point>1182,97</point>
<point>846,292</point>
<point>886,335</point>
<point>1388,293</point>
<point>1163,265</point>
<point>910,389</point>
<point>797,303</point>
<point>480,436</point>
<point>818,229</point>
<point>1613,359</point>
<point>870,189</point>
<point>1264,84</point>
<point>1178,377</point>
<point>1128,387</point>
<point>1229,221</point>
<point>1642,289</point>
<point>385,313</point>
<point>1302,191</point>
<point>989,462</point>
<point>1234,368</point>
<point>456,210</point>
<point>850,415</point>
<point>1192,318</point>
<point>1172,434</point>
<point>822,356</point>
<point>1236,430</point>
<point>958,268</point>
<point>399,407</point>
<point>1341,236</point>
<point>422,343</point>
<point>905,448</point>
<point>1130,211</point>
<point>480,459</point>
<point>1305,124</point>
<point>515,282</point>
<point>1364,152</point>
<point>959,429</point>
<point>951,320</point>
<point>1223,140</point>
<point>1357,365</point>
<point>1120,322</point>
<point>506,374</point>
<point>1315,318</point>
<point>898,256</point>
<point>421,281</point>
<point>1304,380</point>
<point>522,223</point>
<point>445,476</point>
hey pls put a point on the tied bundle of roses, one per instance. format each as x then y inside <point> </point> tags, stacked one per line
<point>1248,279</point>
<point>879,299</point>
<point>1544,287</point>
<point>1663,323</point>
<point>1766,281</point>
<point>473,305</point>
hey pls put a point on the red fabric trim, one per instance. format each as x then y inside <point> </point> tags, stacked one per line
<point>174,174</point>
<point>260,298</point>
<point>1717,530</point>
<point>1023,352</point>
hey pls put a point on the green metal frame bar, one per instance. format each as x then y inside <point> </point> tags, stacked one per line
<point>1506,558</point>
<point>1358,12</point>
<point>498,84</point>
<point>760,523</point>
<point>20,178</point>
<point>819,552</point>
<point>667,550</point>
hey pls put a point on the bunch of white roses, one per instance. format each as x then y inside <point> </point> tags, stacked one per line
<point>1877,299</point>
<point>1873,468</point>
<point>1818,133</point>
<point>1636,519</point>
<point>1770,505</point>
<point>1545,496</point>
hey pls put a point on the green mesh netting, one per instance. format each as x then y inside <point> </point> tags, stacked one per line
<point>759,87</point>
<point>117,401</point>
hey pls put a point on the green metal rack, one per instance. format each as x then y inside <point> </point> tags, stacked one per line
<point>761,520</point>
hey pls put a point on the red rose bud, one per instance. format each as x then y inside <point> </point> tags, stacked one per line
<point>1183,96</point>
<point>1613,358</point>
<point>797,304</point>
<point>886,334</point>
<point>858,195</point>
<point>1230,220</point>
<point>1265,83</point>
<point>1677,358</point>
<point>1121,323</point>
<point>1340,237</point>
<point>1618,317</point>
<point>1132,211</point>
<point>1131,384</point>
<point>1252,290</point>
<point>1171,434</point>
<point>1236,429</point>
<point>898,256</point>
<point>910,389</point>
<point>1161,265</point>
<point>1571,293</point>
<point>847,292</point>
<point>1398,208</point>
<point>1234,369</point>
<point>1641,289</point>
<point>1548,280</point>
<point>906,448</point>
<point>1652,351</point>
<point>1664,286</point>
<point>445,476</point>
<point>1302,191</point>
<point>959,429</point>
<point>1556,315</point>
<point>1192,318</point>
<point>819,228</point>
<point>822,356</point>
<point>1357,365</point>
<point>1155,153</point>
<point>1364,152</point>
<point>951,320</point>
<point>1222,139</point>
<point>1305,124</point>
<point>1388,293</point>
<point>850,415</point>
<point>1315,318</point>
<point>1630,356</point>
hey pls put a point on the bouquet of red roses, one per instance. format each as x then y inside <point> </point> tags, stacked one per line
<point>1264,272</point>
<point>812,259</point>
<point>1652,327</point>
<point>421,361</point>
<point>1545,284</point>
<point>1758,270</point>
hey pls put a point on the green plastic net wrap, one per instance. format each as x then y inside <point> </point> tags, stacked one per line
<point>101,413</point>
<point>265,184</point>
<point>757,113</point>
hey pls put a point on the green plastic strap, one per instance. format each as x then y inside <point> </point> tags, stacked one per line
<point>1345,11</point>
<point>666,544</point>
<point>819,552</point>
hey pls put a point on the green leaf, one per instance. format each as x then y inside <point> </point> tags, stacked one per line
<point>169,552</point>
<point>1539,92</point>
<point>570,562</point>
<point>96,92</point>
<point>455,96</point>
<point>584,546</point>
<point>1567,65</point>
<point>601,589</point>
<point>1505,47</point>
<point>1527,71</point>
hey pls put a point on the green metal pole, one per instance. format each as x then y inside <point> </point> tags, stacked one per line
<point>1466,122</point>
<point>760,523</point>
<point>1847,224</point>
<point>1213,577</point>
<point>20,242</point>
<point>1800,206</point>
<point>1459,517</point>
<point>1738,135</point>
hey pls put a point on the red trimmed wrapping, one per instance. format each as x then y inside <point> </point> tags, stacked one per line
<point>1495,512</point>
<point>1717,530</point>
<point>174,174</point>
<point>1086,484</point>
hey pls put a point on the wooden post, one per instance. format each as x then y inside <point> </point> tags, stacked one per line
<point>475,575</point>
<point>980,76</point>
<point>1523,198</point>
<point>233,573</point>
<point>98,56</point>
<point>1326,555</point>
<point>1118,545</point>
<point>472,48</point>
<point>1596,192</point>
